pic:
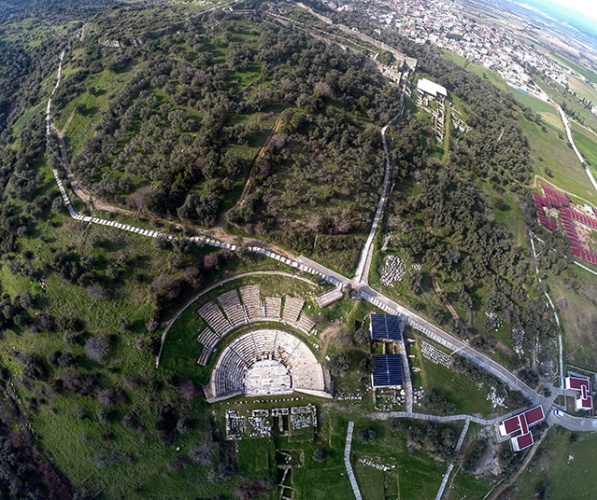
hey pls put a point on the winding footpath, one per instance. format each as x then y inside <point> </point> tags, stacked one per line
<point>359,284</point>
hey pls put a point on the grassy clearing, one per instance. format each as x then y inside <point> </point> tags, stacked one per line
<point>370,481</point>
<point>328,479</point>
<point>577,307</point>
<point>586,142</point>
<point>418,476</point>
<point>466,485</point>
<point>563,465</point>
<point>484,73</point>
<point>256,455</point>
<point>79,125</point>
<point>547,111</point>
<point>452,387</point>
<point>583,89</point>
<point>549,151</point>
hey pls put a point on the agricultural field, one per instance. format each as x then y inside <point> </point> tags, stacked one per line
<point>570,103</point>
<point>584,89</point>
<point>581,70</point>
<point>547,112</point>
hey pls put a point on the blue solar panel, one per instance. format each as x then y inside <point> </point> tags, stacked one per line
<point>388,370</point>
<point>386,327</point>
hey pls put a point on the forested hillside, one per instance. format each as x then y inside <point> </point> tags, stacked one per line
<point>175,117</point>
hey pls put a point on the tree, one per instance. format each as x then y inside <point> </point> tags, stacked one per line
<point>366,434</point>
<point>340,363</point>
<point>320,455</point>
<point>361,336</point>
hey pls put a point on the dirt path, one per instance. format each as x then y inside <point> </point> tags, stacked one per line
<point>447,303</point>
<point>275,129</point>
<point>84,195</point>
<point>327,335</point>
<point>543,179</point>
<point>95,203</point>
<point>60,133</point>
<point>494,495</point>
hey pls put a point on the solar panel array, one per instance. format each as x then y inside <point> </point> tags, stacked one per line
<point>386,327</point>
<point>546,222</point>
<point>568,216</point>
<point>577,249</point>
<point>388,370</point>
<point>584,219</point>
<point>555,198</point>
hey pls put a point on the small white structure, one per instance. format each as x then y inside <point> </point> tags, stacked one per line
<point>429,89</point>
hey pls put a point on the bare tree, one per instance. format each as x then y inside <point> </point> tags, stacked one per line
<point>97,348</point>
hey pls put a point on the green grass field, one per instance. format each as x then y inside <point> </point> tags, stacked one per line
<point>416,474</point>
<point>451,386</point>
<point>573,106</point>
<point>586,142</point>
<point>587,73</point>
<point>562,467</point>
<point>577,307</point>
<point>582,88</point>
<point>484,73</point>
<point>466,485</point>
<point>548,150</point>
<point>548,113</point>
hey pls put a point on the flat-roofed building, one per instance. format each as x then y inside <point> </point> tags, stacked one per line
<point>430,89</point>
<point>584,400</point>
<point>385,327</point>
<point>387,371</point>
<point>518,427</point>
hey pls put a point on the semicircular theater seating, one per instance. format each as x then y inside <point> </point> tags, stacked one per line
<point>266,362</point>
<point>236,308</point>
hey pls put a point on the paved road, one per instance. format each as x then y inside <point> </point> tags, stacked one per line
<point>447,419</point>
<point>362,272</point>
<point>573,423</point>
<point>449,341</point>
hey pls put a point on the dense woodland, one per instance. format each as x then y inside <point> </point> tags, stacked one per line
<point>185,132</point>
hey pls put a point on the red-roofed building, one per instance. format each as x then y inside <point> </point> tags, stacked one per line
<point>510,426</point>
<point>517,427</point>
<point>584,400</point>
<point>534,415</point>
<point>522,442</point>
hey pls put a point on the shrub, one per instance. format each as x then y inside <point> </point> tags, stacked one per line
<point>96,348</point>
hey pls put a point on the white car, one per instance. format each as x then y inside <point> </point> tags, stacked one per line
<point>558,413</point>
